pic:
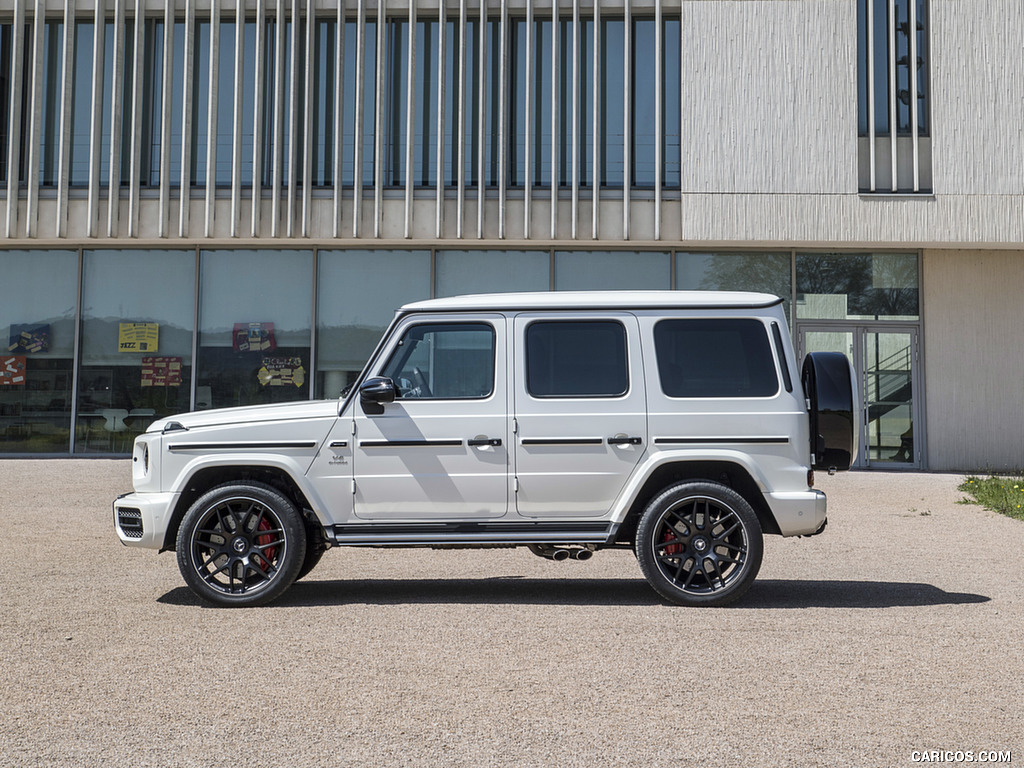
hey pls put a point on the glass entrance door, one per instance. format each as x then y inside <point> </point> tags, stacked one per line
<point>886,365</point>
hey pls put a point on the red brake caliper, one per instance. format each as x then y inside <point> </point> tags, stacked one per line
<point>671,549</point>
<point>268,555</point>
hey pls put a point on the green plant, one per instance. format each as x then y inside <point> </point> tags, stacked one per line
<point>1000,493</point>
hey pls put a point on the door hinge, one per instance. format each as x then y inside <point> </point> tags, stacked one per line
<point>353,487</point>
<point>353,426</point>
<point>515,485</point>
<point>515,426</point>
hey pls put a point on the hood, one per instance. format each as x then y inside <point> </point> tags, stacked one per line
<point>315,409</point>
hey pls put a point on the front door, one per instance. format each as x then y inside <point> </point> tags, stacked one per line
<point>580,412</point>
<point>440,450</point>
<point>885,360</point>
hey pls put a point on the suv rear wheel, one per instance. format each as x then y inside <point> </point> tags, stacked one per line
<point>241,545</point>
<point>699,543</point>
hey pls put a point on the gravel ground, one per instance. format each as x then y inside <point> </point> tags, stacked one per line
<point>897,630</point>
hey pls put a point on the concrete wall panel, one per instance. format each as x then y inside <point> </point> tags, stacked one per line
<point>974,371</point>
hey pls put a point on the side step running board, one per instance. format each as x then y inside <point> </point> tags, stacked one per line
<point>393,534</point>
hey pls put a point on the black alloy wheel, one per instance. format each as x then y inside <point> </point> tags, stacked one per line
<point>241,545</point>
<point>699,543</point>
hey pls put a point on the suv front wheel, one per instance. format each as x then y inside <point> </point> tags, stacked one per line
<point>241,545</point>
<point>699,543</point>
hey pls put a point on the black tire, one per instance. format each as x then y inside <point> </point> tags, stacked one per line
<point>315,548</point>
<point>241,545</point>
<point>830,386</point>
<point>699,544</point>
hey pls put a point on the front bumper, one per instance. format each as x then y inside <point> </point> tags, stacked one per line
<point>798,513</point>
<point>141,519</point>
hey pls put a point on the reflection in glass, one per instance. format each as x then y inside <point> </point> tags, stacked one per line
<point>862,286</point>
<point>358,293</point>
<point>467,272</point>
<point>136,344</point>
<point>738,271</point>
<point>37,331</point>
<point>255,310</point>
<point>611,270</point>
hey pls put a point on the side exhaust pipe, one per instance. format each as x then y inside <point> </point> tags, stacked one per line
<point>558,554</point>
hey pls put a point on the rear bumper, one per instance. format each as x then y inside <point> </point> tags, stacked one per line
<point>798,513</point>
<point>141,519</point>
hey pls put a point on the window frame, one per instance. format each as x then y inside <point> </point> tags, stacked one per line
<point>396,350</point>
<point>576,320</point>
<point>769,350</point>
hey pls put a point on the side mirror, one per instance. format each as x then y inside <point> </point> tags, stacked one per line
<point>378,389</point>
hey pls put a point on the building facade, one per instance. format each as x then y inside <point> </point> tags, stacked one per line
<point>212,203</point>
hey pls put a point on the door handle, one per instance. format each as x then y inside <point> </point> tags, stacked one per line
<point>624,441</point>
<point>478,441</point>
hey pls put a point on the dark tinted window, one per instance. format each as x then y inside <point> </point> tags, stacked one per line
<point>576,359</point>
<point>714,358</point>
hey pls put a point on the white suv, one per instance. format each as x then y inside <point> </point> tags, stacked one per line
<point>669,423</point>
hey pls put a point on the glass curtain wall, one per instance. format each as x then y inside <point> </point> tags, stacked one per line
<point>604,270</point>
<point>137,328</point>
<point>738,271</point>
<point>358,292</point>
<point>37,330</point>
<point>255,316</point>
<point>478,119</point>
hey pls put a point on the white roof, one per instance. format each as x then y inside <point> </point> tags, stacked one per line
<point>550,300</point>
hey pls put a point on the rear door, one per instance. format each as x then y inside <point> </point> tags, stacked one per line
<point>580,411</point>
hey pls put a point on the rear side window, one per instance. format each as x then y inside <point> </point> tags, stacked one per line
<point>714,358</point>
<point>576,359</point>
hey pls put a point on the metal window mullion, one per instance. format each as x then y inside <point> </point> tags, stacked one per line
<point>872,170</point>
<point>259,88</point>
<point>893,117</point>
<point>293,118</point>
<point>410,110</point>
<point>378,121</point>
<point>912,75</point>
<point>575,114</point>
<point>528,122</point>
<point>278,126</point>
<point>307,123</point>
<point>213,95</point>
<point>36,114</point>
<point>96,112</point>
<point>461,127</point>
<point>185,191</point>
<point>236,121</point>
<point>627,63</point>
<point>357,174</point>
<point>76,369</point>
<point>165,118</point>
<point>555,137</point>
<point>596,171</point>
<point>116,107</point>
<point>67,78</point>
<point>14,121</point>
<point>503,33</point>
<point>481,128</point>
<point>442,67</point>
<point>659,133</point>
<point>135,160</point>
<point>682,125</point>
<point>339,111</point>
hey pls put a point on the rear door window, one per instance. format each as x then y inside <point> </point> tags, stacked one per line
<point>576,358</point>
<point>715,358</point>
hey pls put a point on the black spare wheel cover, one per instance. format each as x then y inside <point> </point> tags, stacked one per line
<point>828,384</point>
